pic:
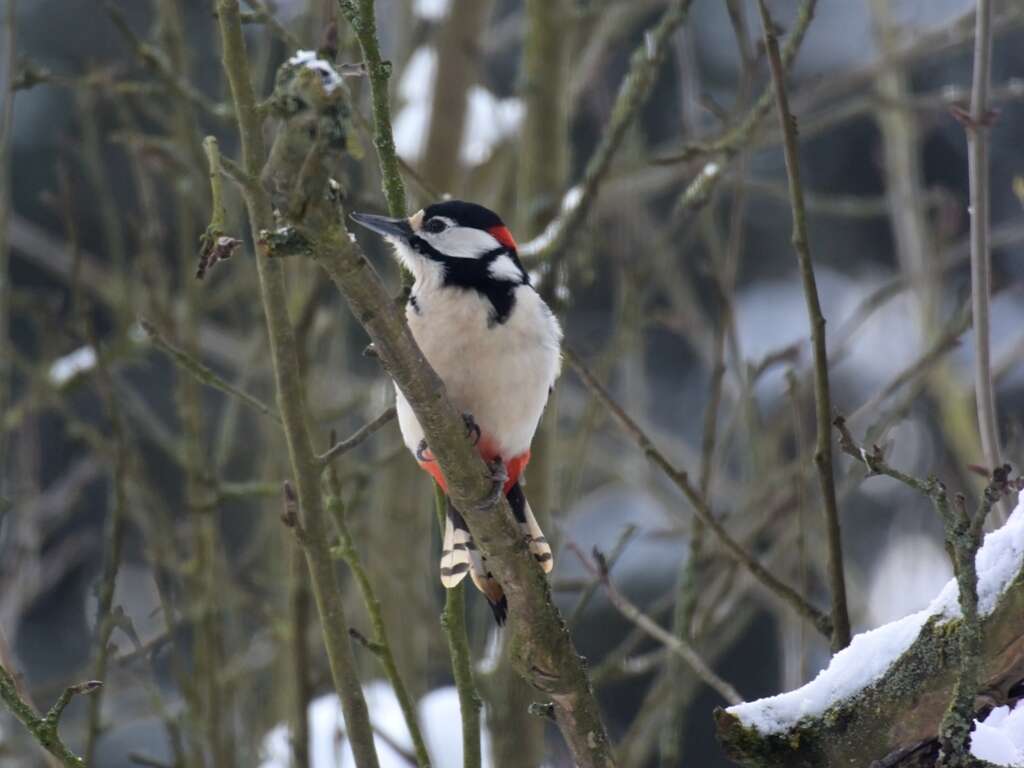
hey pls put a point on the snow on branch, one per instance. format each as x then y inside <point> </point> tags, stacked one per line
<point>851,709</point>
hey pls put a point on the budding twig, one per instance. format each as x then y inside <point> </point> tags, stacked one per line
<point>45,729</point>
<point>214,244</point>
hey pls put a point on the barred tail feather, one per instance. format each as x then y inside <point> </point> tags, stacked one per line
<point>460,556</point>
<point>455,554</point>
<point>538,544</point>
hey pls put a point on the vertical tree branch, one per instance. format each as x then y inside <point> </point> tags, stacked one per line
<point>114,540</point>
<point>205,593</point>
<point>290,398</point>
<point>361,16</point>
<point>977,125</point>
<point>454,622</point>
<point>299,668</point>
<point>917,251</point>
<point>381,646</point>
<point>822,394</point>
<point>963,538</point>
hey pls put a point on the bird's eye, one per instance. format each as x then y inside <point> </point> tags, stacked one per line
<point>435,226</point>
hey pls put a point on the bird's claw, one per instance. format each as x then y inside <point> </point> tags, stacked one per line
<point>498,477</point>
<point>472,428</point>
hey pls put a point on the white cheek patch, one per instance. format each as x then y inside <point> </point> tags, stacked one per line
<point>423,270</point>
<point>461,242</point>
<point>503,268</point>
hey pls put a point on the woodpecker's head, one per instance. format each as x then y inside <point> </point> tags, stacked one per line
<point>453,243</point>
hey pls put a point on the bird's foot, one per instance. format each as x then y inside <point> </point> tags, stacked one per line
<point>472,428</point>
<point>498,477</point>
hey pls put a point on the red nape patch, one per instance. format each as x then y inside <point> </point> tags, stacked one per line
<point>503,236</point>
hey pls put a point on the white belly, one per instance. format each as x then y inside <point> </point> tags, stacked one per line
<point>501,375</point>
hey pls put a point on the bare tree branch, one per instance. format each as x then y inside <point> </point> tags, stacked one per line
<point>977,125</point>
<point>358,437</point>
<point>677,645</point>
<point>44,729</point>
<point>700,505</point>
<point>290,398</point>
<point>822,394</point>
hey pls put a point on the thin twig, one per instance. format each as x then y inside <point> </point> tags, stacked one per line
<point>676,645</point>
<point>977,125</point>
<point>357,437</point>
<point>822,394</point>
<point>202,373</point>
<point>728,145</point>
<point>300,609</point>
<point>360,15</point>
<point>114,540</point>
<point>633,93</point>
<point>44,729</point>
<point>261,13</point>
<point>381,647</point>
<point>588,592</point>
<point>700,505</point>
<point>943,344</point>
<point>453,620</point>
<point>214,244</point>
<point>156,60</point>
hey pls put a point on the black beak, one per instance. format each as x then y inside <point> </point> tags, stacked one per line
<point>382,225</point>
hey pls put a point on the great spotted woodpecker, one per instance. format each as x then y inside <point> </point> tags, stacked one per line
<point>494,343</point>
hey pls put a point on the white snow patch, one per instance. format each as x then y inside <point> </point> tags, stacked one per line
<point>328,74</point>
<point>999,738</point>
<point>440,721</point>
<point>872,653</point>
<point>489,120</point>
<point>570,201</point>
<point>64,369</point>
<point>431,10</point>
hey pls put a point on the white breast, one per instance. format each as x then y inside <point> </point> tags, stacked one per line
<point>500,374</point>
